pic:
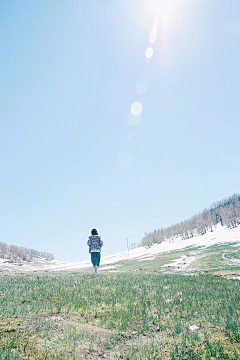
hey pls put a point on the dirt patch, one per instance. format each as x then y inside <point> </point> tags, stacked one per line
<point>73,321</point>
<point>89,328</point>
<point>225,273</point>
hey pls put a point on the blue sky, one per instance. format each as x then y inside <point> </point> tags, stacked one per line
<point>70,158</point>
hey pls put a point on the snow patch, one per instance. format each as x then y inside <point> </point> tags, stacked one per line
<point>220,235</point>
<point>193,327</point>
<point>182,262</point>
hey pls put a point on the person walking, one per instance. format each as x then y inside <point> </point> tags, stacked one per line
<point>95,243</point>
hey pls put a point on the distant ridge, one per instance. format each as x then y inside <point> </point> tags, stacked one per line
<point>18,253</point>
<point>225,212</point>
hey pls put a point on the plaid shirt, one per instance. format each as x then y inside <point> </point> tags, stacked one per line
<point>95,243</point>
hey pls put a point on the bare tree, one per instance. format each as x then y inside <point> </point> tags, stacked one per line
<point>15,253</point>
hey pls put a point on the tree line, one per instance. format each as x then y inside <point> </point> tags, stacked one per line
<point>17,253</point>
<point>225,212</point>
<point>133,245</point>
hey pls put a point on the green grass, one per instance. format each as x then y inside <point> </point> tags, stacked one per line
<point>213,258</point>
<point>121,316</point>
<point>142,312</point>
<point>147,265</point>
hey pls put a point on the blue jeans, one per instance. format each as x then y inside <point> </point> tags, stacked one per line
<point>95,258</point>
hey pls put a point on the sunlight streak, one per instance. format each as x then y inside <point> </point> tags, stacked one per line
<point>164,12</point>
<point>154,32</point>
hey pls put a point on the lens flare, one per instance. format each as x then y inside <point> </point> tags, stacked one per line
<point>134,120</point>
<point>166,13</point>
<point>149,52</point>
<point>154,32</point>
<point>136,108</point>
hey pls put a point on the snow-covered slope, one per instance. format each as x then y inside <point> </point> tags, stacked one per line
<point>219,235</point>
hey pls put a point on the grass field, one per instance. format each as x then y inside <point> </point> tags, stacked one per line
<point>119,316</point>
<point>209,260</point>
<point>163,308</point>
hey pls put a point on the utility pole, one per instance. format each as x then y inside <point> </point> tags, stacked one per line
<point>127,248</point>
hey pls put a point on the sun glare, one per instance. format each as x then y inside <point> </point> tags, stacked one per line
<point>165,13</point>
<point>163,9</point>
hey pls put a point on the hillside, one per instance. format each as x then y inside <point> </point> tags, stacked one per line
<point>225,212</point>
<point>215,249</point>
<point>18,254</point>
<point>197,237</point>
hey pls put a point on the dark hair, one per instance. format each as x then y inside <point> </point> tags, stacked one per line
<point>94,232</point>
